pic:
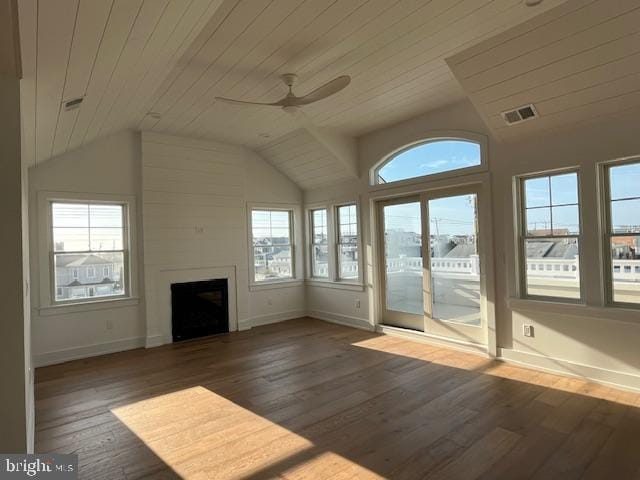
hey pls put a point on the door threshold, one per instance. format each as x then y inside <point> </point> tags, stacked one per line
<point>465,346</point>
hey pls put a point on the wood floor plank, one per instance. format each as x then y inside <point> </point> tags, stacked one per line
<point>313,400</point>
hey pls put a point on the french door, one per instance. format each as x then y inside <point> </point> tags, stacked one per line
<point>432,276</point>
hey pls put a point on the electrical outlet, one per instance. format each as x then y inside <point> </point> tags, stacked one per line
<point>109,324</point>
<point>527,330</point>
<point>358,303</point>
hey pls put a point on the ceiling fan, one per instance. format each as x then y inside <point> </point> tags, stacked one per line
<point>291,102</point>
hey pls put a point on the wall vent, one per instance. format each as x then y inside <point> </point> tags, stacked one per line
<point>520,114</point>
<point>72,104</point>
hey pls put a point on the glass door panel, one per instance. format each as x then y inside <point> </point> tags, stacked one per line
<point>403,289</point>
<point>454,267</point>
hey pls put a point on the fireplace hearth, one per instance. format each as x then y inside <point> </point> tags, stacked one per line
<point>199,309</point>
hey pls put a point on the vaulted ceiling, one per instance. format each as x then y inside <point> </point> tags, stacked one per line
<point>128,58</point>
<point>577,63</point>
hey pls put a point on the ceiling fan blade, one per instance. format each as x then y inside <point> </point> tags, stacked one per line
<point>279,103</point>
<point>326,90</point>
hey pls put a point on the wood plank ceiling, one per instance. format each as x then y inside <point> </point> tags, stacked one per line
<point>577,63</point>
<point>172,57</point>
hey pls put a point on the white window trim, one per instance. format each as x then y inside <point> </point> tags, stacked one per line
<point>296,254</point>
<point>521,236</point>
<point>605,233</point>
<point>333,280</point>
<point>47,303</point>
<point>431,137</point>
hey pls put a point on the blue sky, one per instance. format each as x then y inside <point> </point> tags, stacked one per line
<point>431,158</point>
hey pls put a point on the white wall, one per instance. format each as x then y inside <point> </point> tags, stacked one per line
<point>595,342</point>
<point>165,198</point>
<point>16,375</point>
<point>195,196</point>
<point>109,166</point>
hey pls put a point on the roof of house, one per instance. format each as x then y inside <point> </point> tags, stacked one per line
<point>551,249</point>
<point>104,281</point>
<point>80,260</point>
<point>463,250</point>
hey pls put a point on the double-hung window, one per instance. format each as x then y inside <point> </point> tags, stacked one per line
<point>550,236</point>
<point>347,242</point>
<point>622,231</point>
<point>333,243</point>
<point>319,243</point>
<point>89,251</point>
<point>273,247</point>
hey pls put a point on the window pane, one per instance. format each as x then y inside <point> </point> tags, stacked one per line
<point>270,227</point>
<point>536,192</point>
<point>69,215</point>
<point>348,261</point>
<point>319,226</point>
<point>429,159</point>
<point>538,221</point>
<point>70,239</point>
<point>348,224</point>
<point>625,265</point>
<point>106,239</point>
<point>403,258</point>
<point>624,181</point>
<point>89,275</point>
<point>566,220</point>
<point>564,189</point>
<point>552,268</point>
<point>625,216</point>
<point>320,261</point>
<point>106,215</point>
<point>272,263</point>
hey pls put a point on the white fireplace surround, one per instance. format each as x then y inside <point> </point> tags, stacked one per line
<point>158,287</point>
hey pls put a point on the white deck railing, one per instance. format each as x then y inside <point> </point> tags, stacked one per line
<point>628,270</point>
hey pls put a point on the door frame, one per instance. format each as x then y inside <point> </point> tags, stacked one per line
<point>482,181</point>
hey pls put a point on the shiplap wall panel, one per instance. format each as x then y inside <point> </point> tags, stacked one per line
<point>197,215</point>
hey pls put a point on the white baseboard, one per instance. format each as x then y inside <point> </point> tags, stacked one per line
<point>433,339</point>
<point>612,378</point>
<point>61,356</point>
<point>270,318</point>
<point>155,341</point>
<point>341,319</point>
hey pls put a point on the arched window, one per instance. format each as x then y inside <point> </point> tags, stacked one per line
<point>427,158</point>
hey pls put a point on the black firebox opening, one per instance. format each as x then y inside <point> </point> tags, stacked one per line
<point>199,309</point>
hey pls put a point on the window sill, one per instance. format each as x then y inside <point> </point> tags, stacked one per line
<point>80,307</point>
<point>256,287</point>
<point>614,313</point>
<point>342,285</point>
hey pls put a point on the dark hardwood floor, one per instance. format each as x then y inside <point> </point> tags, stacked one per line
<point>308,399</point>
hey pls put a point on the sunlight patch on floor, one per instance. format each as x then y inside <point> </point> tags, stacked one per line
<point>198,433</point>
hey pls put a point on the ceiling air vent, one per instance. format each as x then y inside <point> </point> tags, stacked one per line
<point>72,104</point>
<point>520,114</point>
